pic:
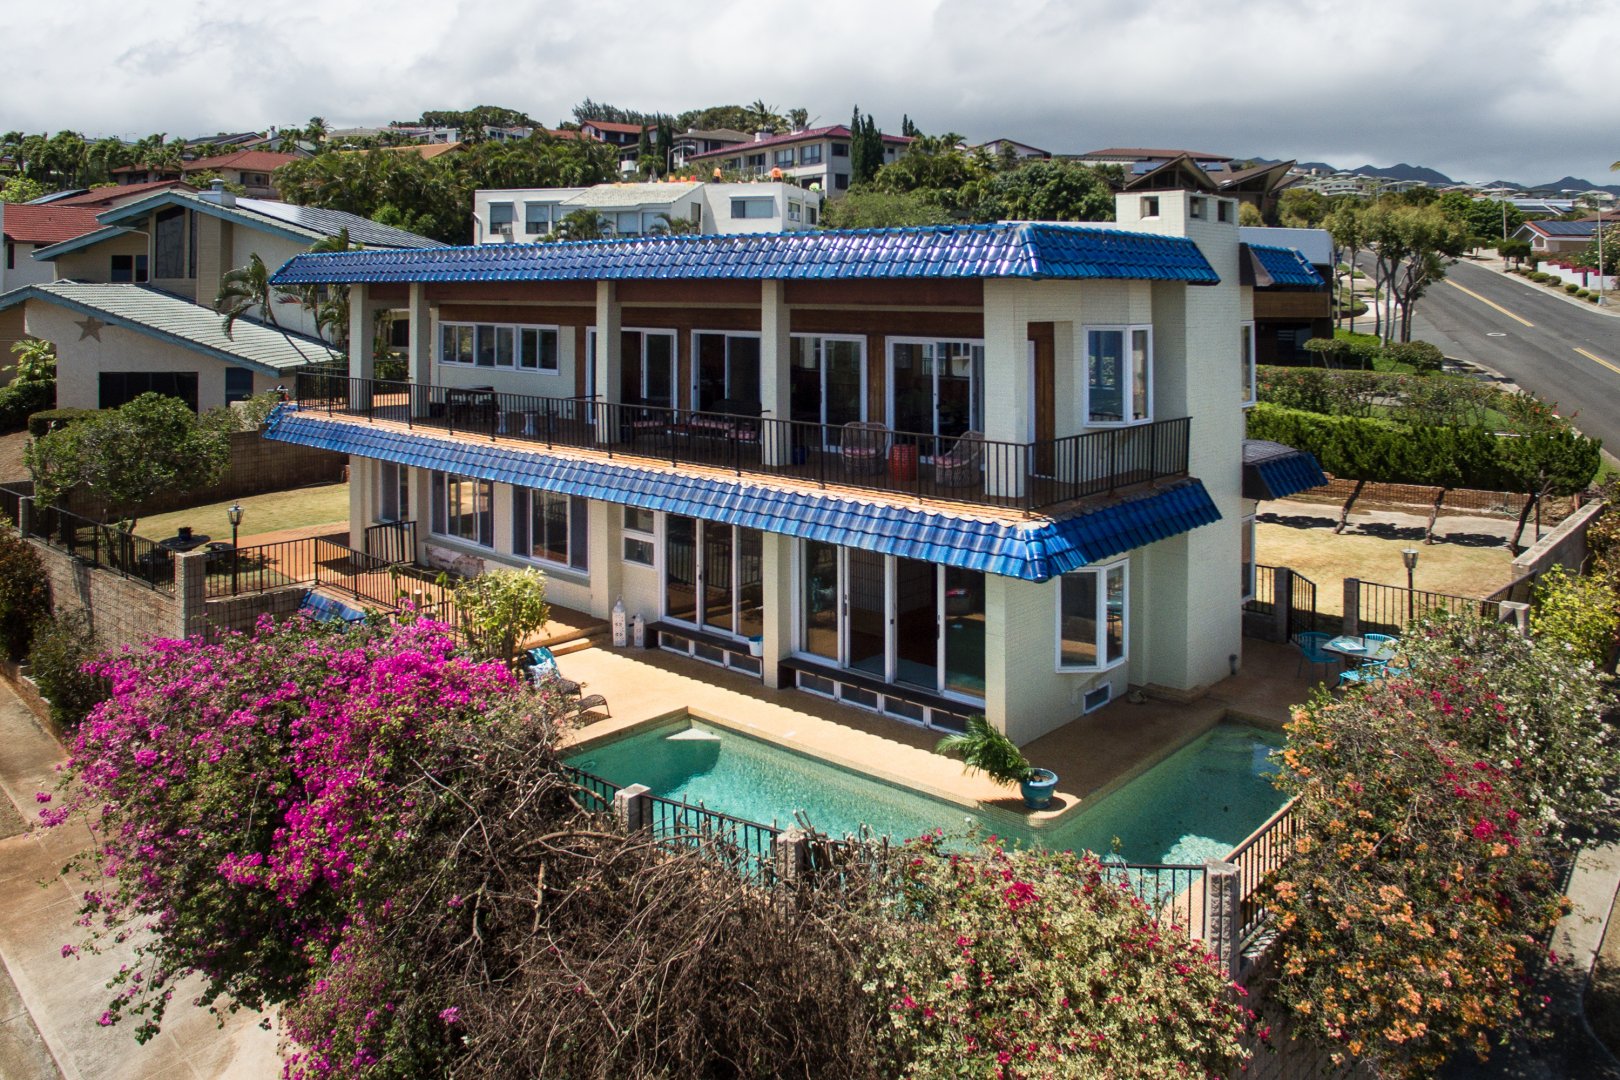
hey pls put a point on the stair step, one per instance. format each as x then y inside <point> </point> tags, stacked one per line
<point>563,648</point>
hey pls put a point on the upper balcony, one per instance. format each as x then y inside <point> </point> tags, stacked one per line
<point>962,467</point>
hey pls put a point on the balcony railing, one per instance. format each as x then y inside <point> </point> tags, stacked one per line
<point>1023,476</point>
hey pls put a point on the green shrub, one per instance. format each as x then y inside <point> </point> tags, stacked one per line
<point>48,420</point>
<point>1421,356</point>
<point>20,399</point>
<point>1537,276</point>
<point>1591,298</point>
<point>25,596</point>
<point>1554,279</point>
<point>1571,288</point>
<point>1361,448</point>
<point>1581,614</point>
<point>61,648</point>
<point>1582,293</point>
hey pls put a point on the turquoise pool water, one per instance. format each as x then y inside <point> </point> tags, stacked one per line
<point>1195,805</point>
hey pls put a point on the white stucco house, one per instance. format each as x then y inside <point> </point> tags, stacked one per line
<point>525,215</point>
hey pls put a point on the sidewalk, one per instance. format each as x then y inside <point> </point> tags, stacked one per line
<point>63,997</point>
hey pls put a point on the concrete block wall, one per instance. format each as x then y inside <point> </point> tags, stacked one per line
<point>240,613</point>
<point>121,611</point>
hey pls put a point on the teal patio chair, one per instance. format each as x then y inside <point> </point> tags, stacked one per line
<point>1312,646</point>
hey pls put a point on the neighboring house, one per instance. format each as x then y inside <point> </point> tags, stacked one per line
<point>1136,155</point>
<point>1021,151</point>
<point>693,141</point>
<point>27,227</point>
<point>425,151</point>
<point>183,243</point>
<point>249,169</point>
<point>617,134</point>
<point>1287,311</point>
<point>1258,185</point>
<point>927,472</point>
<point>813,156</point>
<point>110,195</point>
<point>527,214</point>
<point>116,342</point>
<point>1558,237</point>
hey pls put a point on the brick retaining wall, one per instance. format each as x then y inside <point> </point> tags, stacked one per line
<point>121,611</point>
<point>241,612</point>
<point>1415,498</point>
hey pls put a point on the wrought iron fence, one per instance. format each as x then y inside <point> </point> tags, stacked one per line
<point>1264,850</point>
<point>962,467</point>
<point>1263,596</point>
<point>1302,612</point>
<point>596,794</point>
<point>1387,609</point>
<point>261,567</point>
<point>11,505</point>
<point>105,546</point>
<point>1173,892</point>
<point>745,846</point>
<point>392,541</point>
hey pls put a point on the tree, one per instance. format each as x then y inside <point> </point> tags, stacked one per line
<point>243,290</point>
<point>582,224</point>
<point>1609,265</point>
<point>1302,208</point>
<point>1431,809</point>
<point>1249,215</point>
<point>1414,245</point>
<point>1347,227</point>
<point>936,168</point>
<point>866,148</point>
<point>20,189</point>
<point>126,455</point>
<point>763,117</point>
<point>1047,191</point>
<point>868,209</point>
<point>327,305</point>
<point>25,593</point>
<point>500,608</point>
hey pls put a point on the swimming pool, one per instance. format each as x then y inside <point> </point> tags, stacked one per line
<point>1197,804</point>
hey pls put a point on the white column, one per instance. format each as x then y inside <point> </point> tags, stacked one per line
<point>362,361</point>
<point>1007,401</point>
<point>775,379</point>
<point>362,498</point>
<point>420,354</point>
<point>609,361</point>
<point>779,589</point>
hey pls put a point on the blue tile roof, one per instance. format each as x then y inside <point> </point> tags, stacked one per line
<point>1274,471</point>
<point>1286,266</point>
<point>1033,550</point>
<point>1011,250</point>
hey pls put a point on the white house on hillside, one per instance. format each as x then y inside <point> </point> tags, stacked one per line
<point>525,215</point>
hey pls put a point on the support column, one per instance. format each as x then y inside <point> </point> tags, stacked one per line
<point>1352,606</point>
<point>420,350</point>
<point>606,558</point>
<point>1223,916</point>
<point>191,593</point>
<point>362,359</point>
<point>775,376</point>
<point>632,808</point>
<point>609,360</point>
<point>1007,403</point>
<point>779,588</point>
<point>362,499</point>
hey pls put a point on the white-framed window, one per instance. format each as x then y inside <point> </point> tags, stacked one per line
<point>1247,353</point>
<point>1093,618</point>
<point>1247,556</point>
<point>795,211</point>
<point>1119,375</point>
<point>500,219</point>
<point>538,218</point>
<point>753,208</point>
<point>640,537</point>
<point>551,528</point>
<point>492,345</point>
<point>396,492</point>
<point>810,155</point>
<point>784,158</point>
<point>464,508</point>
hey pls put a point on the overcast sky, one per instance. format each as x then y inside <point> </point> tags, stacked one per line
<point>1480,90</point>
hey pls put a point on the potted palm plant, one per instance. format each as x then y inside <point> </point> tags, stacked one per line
<point>984,749</point>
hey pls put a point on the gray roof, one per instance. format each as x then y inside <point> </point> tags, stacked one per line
<point>298,222</point>
<point>179,322</point>
<point>631,194</point>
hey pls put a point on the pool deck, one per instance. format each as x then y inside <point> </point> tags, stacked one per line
<point>1092,755</point>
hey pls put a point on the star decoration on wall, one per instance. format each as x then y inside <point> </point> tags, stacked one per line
<point>90,328</point>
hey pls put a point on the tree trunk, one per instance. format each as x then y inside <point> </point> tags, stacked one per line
<point>1524,517</point>
<point>1434,512</point>
<point>1344,511</point>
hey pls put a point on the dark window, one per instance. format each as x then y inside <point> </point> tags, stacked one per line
<point>11,255</point>
<point>169,242</point>
<point>121,387</point>
<point>238,384</point>
<point>841,181</point>
<point>840,149</point>
<point>191,243</point>
<point>128,268</point>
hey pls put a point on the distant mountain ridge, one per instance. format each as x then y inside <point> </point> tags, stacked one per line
<point>1427,175</point>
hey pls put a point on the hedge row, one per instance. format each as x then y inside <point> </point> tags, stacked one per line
<point>21,399</point>
<point>1362,448</point>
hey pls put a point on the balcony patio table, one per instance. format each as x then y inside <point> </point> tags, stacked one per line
<point>176,543</point>
<point>1358,648</point>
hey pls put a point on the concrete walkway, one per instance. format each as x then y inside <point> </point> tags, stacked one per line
<point>63,997</point>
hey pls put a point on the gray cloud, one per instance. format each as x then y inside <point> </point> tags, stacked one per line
<point>1477,90</point>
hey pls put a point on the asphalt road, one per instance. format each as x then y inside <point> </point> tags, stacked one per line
<point>1565,354</point>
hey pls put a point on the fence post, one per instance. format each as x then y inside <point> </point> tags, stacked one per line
<point>1223,917</point>
<point>25,515</point>
<point>1352,606</point>
<point>1515,614</point>
<point>790,855</point>
<point>191,592</point>
<point>1282,603</point>
<point>632,808</point>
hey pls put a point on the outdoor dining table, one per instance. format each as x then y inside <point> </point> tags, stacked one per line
<point>1359,648</point>
<point>176,543</point>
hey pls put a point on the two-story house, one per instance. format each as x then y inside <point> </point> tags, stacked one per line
<point>129,301</point>
<point>252,170</point>
<point>812,156</point>
<point>523,215</point>
<point>694,141</point>
<point>927,472</point>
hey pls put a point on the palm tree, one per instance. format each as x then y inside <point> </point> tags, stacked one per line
<point>316,131</point>
<point>243,289</point>
<point>583,224</point>
<point>764,117</point>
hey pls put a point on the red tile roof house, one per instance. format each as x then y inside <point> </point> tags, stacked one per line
<point>813,156</point>
<point>249,168</point>
<point>26,227</point>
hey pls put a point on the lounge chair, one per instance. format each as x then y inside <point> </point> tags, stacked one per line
<point>865,446</point>
<point>543,670</point>
<point>960,464</point>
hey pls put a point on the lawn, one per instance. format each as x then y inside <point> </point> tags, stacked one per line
<point>324,504</point>
<point>1327,559</point>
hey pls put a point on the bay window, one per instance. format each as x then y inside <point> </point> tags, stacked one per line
<point>464,508</point>
<point>1091,618</point>
<point>1119,374</point>
<point>551,528</point>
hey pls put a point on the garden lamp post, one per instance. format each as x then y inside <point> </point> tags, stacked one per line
<point>235,516</point>
<point>1409,556</point>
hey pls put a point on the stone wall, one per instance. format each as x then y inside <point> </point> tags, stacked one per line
<point>241,612</point>
<point>122,611</point>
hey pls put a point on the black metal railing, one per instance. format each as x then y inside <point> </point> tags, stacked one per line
<point>1173,892</point>
<point>1386,609</point>
<point>961,468</point>
<point>261,567</point>
<point>11,504</point>
<point>596,794</point>
<point>104,546</point>
<point>392,541</point>
<point>745,846</point>
<point>1267,848</point>
<point>1263,595</point>
<point>1302,613</point>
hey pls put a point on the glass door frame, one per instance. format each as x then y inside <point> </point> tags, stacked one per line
<point>700,577</point>
<point>975,377</point>
<point>821,374</point>
<point>695,389</point>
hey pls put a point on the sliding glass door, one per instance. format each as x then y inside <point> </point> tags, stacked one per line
<point>725,372</point>
<point>828,383</point>
<point>714,576</point>
<point>936,388</point>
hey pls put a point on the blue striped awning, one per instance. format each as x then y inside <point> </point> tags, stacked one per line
<point>1274,471</point>
<point>1031,549</point>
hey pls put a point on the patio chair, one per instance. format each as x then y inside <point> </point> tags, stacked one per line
<point>543,670</point>
<point>960,464</point>
<point>1369,672</point>
<point>1312,646</point>
<point>865,446</point>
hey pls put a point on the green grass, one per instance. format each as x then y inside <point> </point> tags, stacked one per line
<point>300,508</point>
